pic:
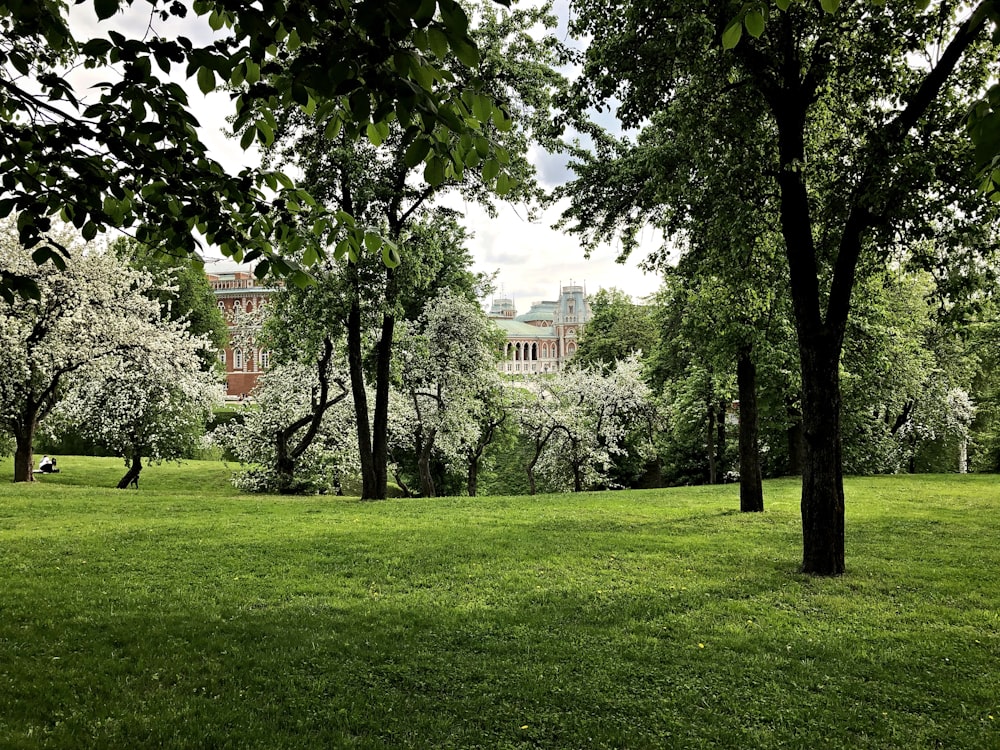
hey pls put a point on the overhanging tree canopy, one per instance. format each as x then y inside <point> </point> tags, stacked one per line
<point>133,158</point>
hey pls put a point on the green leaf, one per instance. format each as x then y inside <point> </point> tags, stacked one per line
<point>491,169</point>
<point>454,18</point>
<point>416,152</point>
<point>302,280</point>
<point>830,6</point>
<point>482,107</point>
<point>247,139</point>
<point>377,133</point>
<point>310,256</point>
<point>266,133</point>
<point>434,171</point>
<point>731,36</point>
<point>206,79</point>
<point>754,23</point>
<point>333,127</point>
<point>504,184</point>
<point>783,4</point>
<point>105,8</point>
<point>438,42</point>
<point>390,255</point>
<point>465,50</point>
<point>373,241</point>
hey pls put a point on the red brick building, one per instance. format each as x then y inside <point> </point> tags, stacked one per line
<point>241,299</point>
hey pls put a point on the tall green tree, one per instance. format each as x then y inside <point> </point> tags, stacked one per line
<point>861,129</point>
<point>617,328</point>
<point>374,187</point>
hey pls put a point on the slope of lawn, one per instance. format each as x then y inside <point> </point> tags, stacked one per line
<point>186,615</point>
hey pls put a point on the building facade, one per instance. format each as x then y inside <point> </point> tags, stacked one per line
<point>544,338</point>
<point>241,299</point>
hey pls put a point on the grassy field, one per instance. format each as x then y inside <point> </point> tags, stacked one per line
<point>187,616</point>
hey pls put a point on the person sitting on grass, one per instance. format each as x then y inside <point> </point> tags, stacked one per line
<point>47,466</point>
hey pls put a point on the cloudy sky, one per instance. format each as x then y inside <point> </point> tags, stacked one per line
<point>530,257</point>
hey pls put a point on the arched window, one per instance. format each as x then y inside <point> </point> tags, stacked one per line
<point>237,359</point>
<point>265,358</point>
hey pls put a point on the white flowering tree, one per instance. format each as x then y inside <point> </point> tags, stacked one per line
<point>296,434</point>
<point>448,360</point>
<point>146,405</point>
<point>96,308</point>
<point>580,419</point>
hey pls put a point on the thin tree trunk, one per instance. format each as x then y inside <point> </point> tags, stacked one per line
<point>751,487</point>
<point>380,424</point>
<point>427,488</point>
<point>472,480</point>
<point>720,440</point>
<point>710,448</point>
<point>285,464</point>
<point>132,475</point>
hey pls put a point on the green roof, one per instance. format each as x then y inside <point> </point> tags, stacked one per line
<point>517,328</point>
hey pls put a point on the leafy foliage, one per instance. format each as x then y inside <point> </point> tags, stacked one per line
<point>132,158</point>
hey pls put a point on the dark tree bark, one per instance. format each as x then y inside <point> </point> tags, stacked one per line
<point>132,475</point>
<point>355,366</point>
<point>287,455</point>
<point>822,476</point>
<point>751,486</point>
<point>476,454</point>
<point>472,478</point>
<point>427,488</point>
<point>710,447</point>
<point>720,440</point>
<point>23,454</point>
<point>380,423</point>
<point>540,442</point>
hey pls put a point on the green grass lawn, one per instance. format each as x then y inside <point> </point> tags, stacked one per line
<point>185,615</point>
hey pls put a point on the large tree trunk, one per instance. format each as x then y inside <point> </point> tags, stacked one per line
<point>23,454</point>
<point>822,477</point>
<point>132,475</point>
<point>820,340</point>
<point>751,487</point>
<point>355,365</point>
